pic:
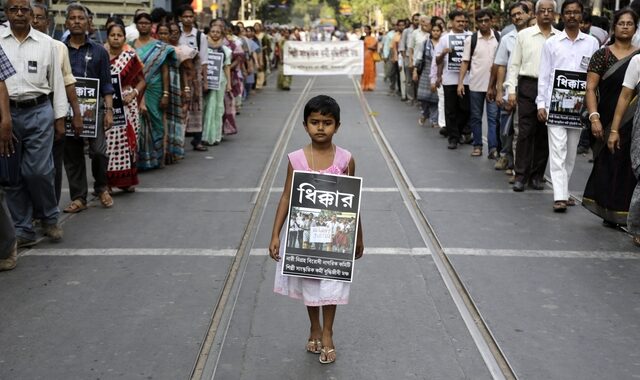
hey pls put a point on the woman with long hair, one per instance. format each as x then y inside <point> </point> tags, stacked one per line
<point>122,139</point>
<point>611,184</point>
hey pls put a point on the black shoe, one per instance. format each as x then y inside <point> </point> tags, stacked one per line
<point>583,149</point>
<point>444,132</point>
<point>518,186</point>
<point>536,184</point>
<point>466,139</point>
<point>452,145</point>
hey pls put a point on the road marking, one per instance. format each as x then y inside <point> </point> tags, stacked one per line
<point>365,190</point>
<point>193,252</point>
<point>544,253</point>
<point>391,251</point>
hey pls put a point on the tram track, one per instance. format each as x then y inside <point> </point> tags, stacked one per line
<point>210,350</point>
<point>491,353</point>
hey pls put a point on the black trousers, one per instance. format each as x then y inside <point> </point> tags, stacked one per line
<point>58,159</point>
<point>74,163</point>
<point>456,111</point>
<point>532,147</point>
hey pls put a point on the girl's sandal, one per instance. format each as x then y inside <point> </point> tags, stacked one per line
<point>314,346</point>
<point>328,354</point>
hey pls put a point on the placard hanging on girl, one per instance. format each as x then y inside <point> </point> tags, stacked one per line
<point>323,224</point>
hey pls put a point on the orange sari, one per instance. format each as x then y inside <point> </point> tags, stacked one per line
<point>368,82</point>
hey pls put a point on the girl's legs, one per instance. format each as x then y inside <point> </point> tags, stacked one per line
<point>328,315</point>
<point>315,332</point>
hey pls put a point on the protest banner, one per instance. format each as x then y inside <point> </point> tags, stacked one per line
<point>456,47</point>
<point>322,226</point>
<point>214,69</point>
<point>567,98</point>
<point>323,58</point>
<point>88,92</point>
<point>119,117</point>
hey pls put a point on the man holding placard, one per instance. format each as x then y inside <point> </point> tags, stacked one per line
<point>90,65</point>
<point>561,88</point>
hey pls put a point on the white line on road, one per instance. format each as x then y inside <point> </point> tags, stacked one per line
<point>418,251</point>
<point>543,253</point>
<point>364,189</point>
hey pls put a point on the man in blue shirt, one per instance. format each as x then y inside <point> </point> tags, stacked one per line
<point>88,60</point>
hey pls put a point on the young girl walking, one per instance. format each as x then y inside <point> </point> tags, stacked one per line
<point>321,122</point>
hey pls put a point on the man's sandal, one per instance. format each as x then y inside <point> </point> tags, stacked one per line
<point>314,346</point>
<point>324,352</point>
<point>75,206</point>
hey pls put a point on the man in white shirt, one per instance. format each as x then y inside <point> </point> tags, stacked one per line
<point>519,14</point>
<point>568,50</point>
<point>479,52</point>
<point>532,149</point>
<point>448,55</point>
<point>38,76</point>
<point>406,81</point>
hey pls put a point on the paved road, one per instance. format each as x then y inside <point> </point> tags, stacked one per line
<point>130,291</point>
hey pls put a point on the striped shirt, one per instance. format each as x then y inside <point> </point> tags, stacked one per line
<point>6,68</point>
<point>38,70</point>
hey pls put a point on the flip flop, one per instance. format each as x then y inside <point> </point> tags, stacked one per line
<point>560,206</point>
<point>75,206</point>
<point>314,346</point>
<point>106,199</point>
<point>326,353</point>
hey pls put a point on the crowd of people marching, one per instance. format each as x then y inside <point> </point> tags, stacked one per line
<point>456,76</point>
<point>179,81</point>
<point>162,69</point>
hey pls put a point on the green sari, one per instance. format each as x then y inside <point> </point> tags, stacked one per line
<point>154,139</point>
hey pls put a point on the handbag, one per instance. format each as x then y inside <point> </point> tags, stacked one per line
<point>10,166</point>
<point>376,57</point>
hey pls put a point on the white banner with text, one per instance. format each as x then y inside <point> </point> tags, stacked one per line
<point>323,58</point>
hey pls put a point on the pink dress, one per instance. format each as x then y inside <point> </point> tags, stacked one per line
<point>313,292</point>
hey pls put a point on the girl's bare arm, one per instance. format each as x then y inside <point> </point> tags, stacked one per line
<point>281,215</point>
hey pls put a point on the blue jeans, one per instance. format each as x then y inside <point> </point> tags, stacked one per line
<point>506,137</point>
<point>477,102</point>
<point>7,232</point>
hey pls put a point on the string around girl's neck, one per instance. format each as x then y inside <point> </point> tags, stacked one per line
<point>333,158</point>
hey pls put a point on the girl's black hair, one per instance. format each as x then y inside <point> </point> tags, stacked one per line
<point>115,19</point>
<point>323,104</point>
<point>140,16</point>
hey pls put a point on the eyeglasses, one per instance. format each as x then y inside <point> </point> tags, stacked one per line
<point>15,10</point>
<point>39,18</point>
<point>546,10</point>
<point>623,24</point>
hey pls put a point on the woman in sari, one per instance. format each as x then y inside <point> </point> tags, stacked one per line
<point>191,74</point>
<point>214,101</point>
<point>427,91</point>
<point>122,139</point>
<point>284,81</point>
<point>158,59</point>
<point>368,81</point>
<point>175,128</point>
<point>610,186</point>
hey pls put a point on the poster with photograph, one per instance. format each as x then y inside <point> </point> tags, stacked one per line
<point>567,98</point>
<point>88,92</point>
<point>214,69</point>
<point>320,239</point>
<point>456,47</point>
<point>119,117</point>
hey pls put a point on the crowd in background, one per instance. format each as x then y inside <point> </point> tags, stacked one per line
<point>502,78</point>
<point>458,72</point>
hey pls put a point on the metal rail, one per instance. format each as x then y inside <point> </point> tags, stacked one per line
<point>210,350</point>
<point>487,345</point>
